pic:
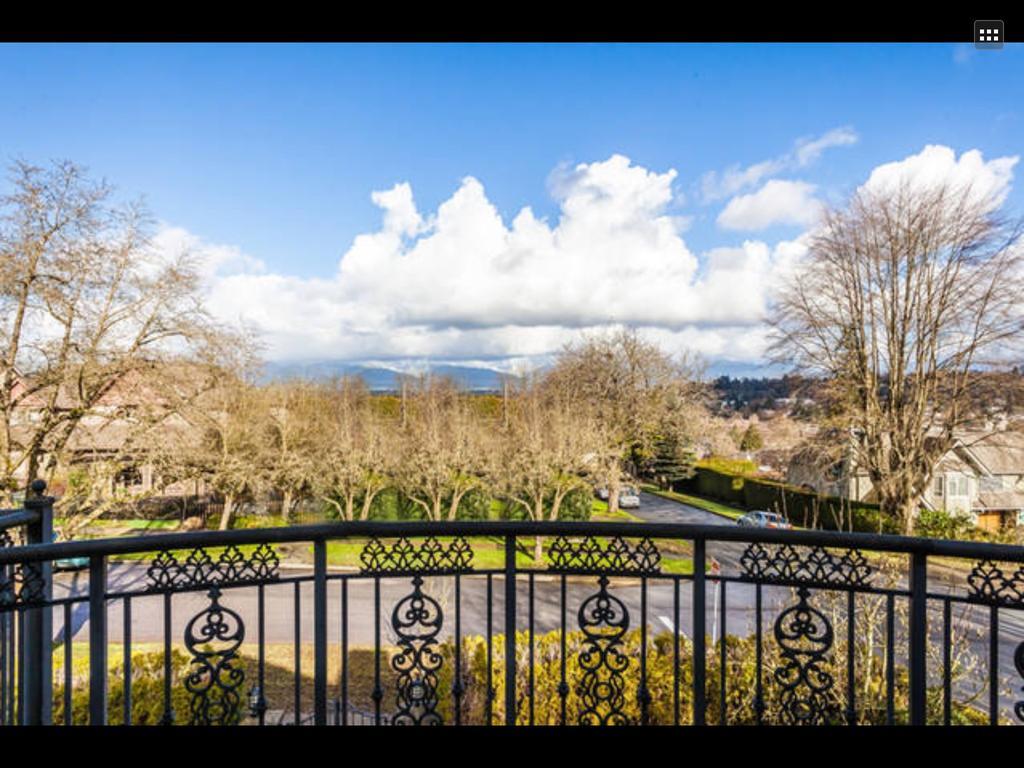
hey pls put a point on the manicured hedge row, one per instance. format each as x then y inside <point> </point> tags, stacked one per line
<point>800,507</point>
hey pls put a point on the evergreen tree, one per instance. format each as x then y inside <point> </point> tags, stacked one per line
<point>672,462</point>
<point>751,440</point>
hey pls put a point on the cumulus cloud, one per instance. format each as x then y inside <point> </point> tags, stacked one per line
<point>463,283</point>
<point>777,202</point>
<point>718,185</point>
<point>987,181</point>
<point>212,260</point>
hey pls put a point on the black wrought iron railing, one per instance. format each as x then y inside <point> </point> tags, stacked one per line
<point>456,623</point>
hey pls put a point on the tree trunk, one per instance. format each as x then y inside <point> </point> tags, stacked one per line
<point>538,544</point>
<point>225,516</point>
<point>907,512</point>
<point>368,504</point>
<point>613,493</point>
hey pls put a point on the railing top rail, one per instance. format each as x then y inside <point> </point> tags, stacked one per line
<point>369,529</point>
<point>11,518</point>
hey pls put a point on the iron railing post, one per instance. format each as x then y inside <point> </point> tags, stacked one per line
<point>97,640</point>
<point>918,636</point>
<point>510,629</point>
<point>37,655</point>
<point>320,632</point>
<point>699,619</point>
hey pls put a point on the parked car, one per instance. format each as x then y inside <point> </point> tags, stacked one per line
<point>69,563</point>
<point>761,519</point>
<point>602,494</point>
<point>629,497</point>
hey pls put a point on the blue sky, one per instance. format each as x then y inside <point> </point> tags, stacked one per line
<point>273,151</point>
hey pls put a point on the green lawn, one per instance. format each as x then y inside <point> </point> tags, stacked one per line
<point>181,554</point>
<point>488,552</point>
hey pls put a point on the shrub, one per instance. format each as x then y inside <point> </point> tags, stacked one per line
<point>475,505</point>
<point>803,508</point>
<point>147,691</point>
<point>577,504</point>
<point>940,524</point>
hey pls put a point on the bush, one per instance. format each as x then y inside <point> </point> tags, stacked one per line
<point>809,510</point>
<point>577,505</point>
<point>940,524</point>
<point>475,505</point>
<point>512,511</point>
<point>147,691</point>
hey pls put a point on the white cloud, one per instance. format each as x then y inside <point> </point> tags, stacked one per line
<point>810,150</point>
<point>463,284</point>
<point>987,180</point>
<point>211,260</point>
<point>720,185</point>
<point>777,202</point>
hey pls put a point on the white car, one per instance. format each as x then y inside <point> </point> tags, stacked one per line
<point>629,497</point>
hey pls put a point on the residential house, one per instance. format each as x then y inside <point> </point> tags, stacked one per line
<point>981,474</point>
<point>106,431</point>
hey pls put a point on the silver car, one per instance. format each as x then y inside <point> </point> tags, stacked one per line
<point>629,497</point>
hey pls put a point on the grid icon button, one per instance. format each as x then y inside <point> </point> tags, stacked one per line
<point>989,34</point>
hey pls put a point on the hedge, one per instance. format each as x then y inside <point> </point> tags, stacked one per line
<point>799,506</point>
<point>740,662</point>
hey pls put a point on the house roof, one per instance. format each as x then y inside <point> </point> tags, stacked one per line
<point>1001,500</point>
<point>1000,453</point>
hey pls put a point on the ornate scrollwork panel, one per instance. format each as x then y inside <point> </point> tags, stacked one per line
<point>428,557</point>
<point>167,574</point>
<point>22,584</point>
<point>604,620</point>
<point>784,564</point>
<point>213,637</point>
<point>989,583</point>
<point>805,636</point>
<point>417,619</point>
<point>617,557</point>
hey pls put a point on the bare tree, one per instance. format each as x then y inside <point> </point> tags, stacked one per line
<point>543,454</point>
<point>293,411</point>
<point>635,395</point>
<point>442,450</point>
<point>86,302</point>
<point>353,448</point>
<point>903,295</point>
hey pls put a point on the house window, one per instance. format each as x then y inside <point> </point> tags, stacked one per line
<point>1020,517</point>
<point>128,477</point>
<point>938,485</point>
<point>957,485</point>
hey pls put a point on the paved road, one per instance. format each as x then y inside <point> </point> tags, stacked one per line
<point>657,509</point>
<point>147,612</point>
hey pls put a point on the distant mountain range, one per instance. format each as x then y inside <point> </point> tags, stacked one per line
<point>380,378</point>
